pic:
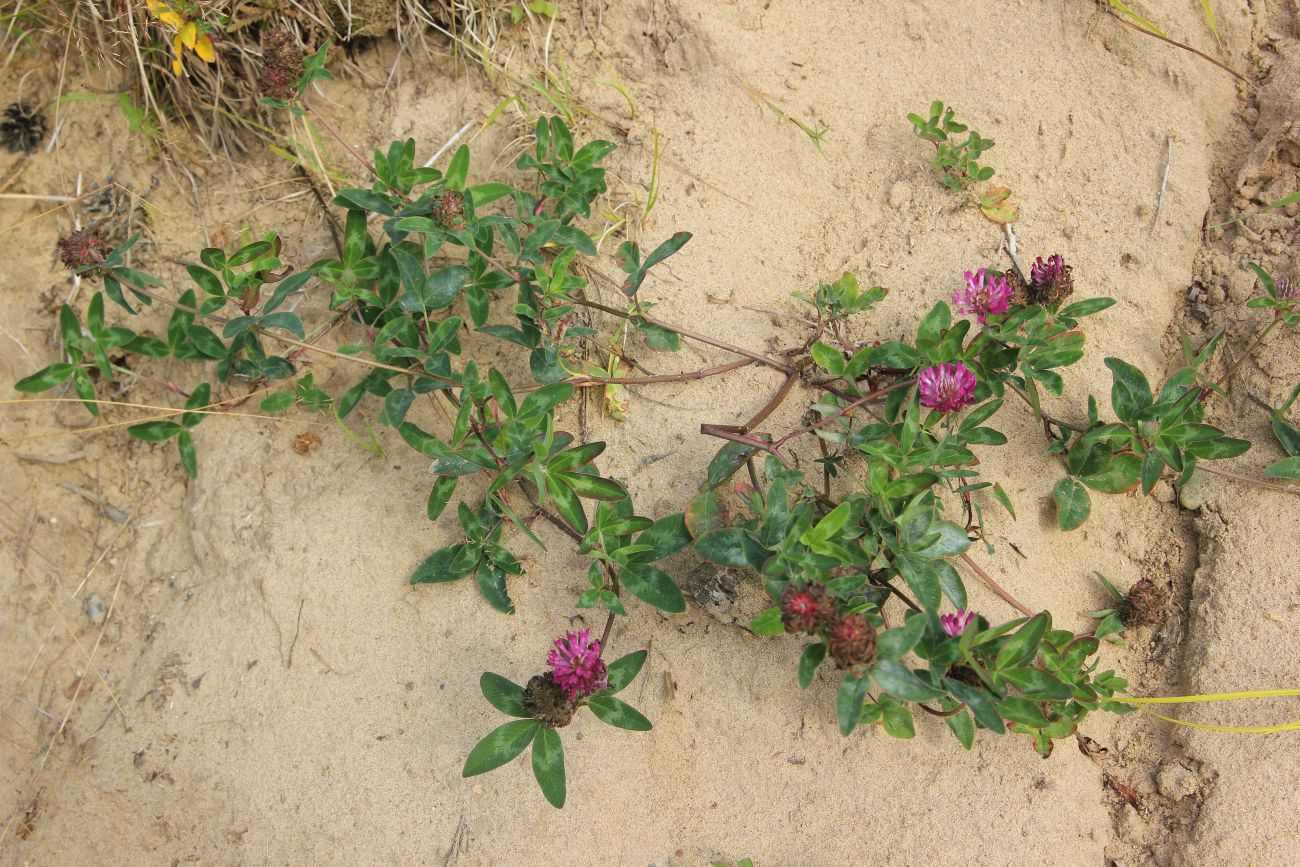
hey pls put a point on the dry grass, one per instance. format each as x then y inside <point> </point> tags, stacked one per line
<point>125,49</point>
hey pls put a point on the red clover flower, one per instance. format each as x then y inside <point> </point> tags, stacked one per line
<point>1049,271</point>
<point>579,670</point>
<point>955,624</point>
<point>984,295</point>
<point>946,387</point>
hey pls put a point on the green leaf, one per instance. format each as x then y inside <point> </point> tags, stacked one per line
<point>616,713</point>
<point>207,281</point>
<point>155,431</point>
<point>624,670</point>
<point>1223,447</point>
<point>278,402</point>
<point>482,194</point>
<point>730,458</point>
<point>922,577</point>
<point>548,763</point>
<point>567,504</point>
<point>1021,647</point>
<point>894,643</point>
<point>950,583</point>
<point>898,722</point>
<point>442,286</point>
<point>1022,710</point>
<point>503,694</point>
<point>962,728</point>
<point>809,660</point>
<point>828,358</point>
<point>654,587</point>
<point>951,542</point>
<point>724,547</point>
<point>848,702</point>
<point>980,703</point>
<point>895,679</point>
<point>457,169</point>
<point>1288,435</point>
<point>1121,473</point>
<point>1087,307</point>
<point>45,378</point>
<point>593,487</point>
<point>1037,684</point>
<point>492,584</point>
<point>767,623</point>
<point>440,495</point>
<point>1131,392</point>
<point>500,746</point>
<point>189,458</point>
<point>1287,468</point>
<point>440,566</point>
<point>1072,503</point>
<point>665,537</point>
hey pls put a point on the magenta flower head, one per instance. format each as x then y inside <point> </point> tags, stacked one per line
<point>1048,272</point>
<point>984,295</point>
<point>579,670</point>
<point>955,624</point>
<point>946,387</point>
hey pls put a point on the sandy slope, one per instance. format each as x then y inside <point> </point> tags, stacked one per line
<point>286,698</point>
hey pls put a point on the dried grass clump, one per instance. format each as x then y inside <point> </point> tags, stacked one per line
<point>130,46</point>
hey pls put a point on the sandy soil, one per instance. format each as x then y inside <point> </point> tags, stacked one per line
<point>262,686</point>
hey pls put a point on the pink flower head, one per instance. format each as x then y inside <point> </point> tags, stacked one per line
<point>955,624</point>
<point>984,295</point>
<point>579,670</point>
<point>946,387</point>
<point>1048,272</point>
<point>1288,289</point>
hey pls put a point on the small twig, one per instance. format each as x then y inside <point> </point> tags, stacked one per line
<point>1164,182</point>
<point>451,141</point>
<point>995,587</point>
<point>1012,251</point>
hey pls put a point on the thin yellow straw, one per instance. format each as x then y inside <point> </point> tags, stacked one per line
<point>1219,696</point>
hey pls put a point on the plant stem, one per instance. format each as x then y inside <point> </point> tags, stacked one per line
<point>685,332</point>
<point>1044,416</point>
<point>995,587</point>
<point>1259,338</point>
<point>1229,474</point>
<point>845,410</point>
<point>690,375</point>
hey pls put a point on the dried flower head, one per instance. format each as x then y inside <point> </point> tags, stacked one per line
<point>806,607</point>
<point>545,701</point>
<point>22,129</point>
<point>955,624</point>
<point>851,640</point>
<point>83,248</point>
<point>577,665</point>
<point>984,295</point>
<point>449,209</point>
<point>282,58</point>
<point>1051,279</point>
<point>1144,604</point>
<point>946,387</point>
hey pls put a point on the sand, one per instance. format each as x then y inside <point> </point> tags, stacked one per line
<point>262,686</point>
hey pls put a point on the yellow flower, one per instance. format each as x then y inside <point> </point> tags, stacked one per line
<point>188,35</point>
